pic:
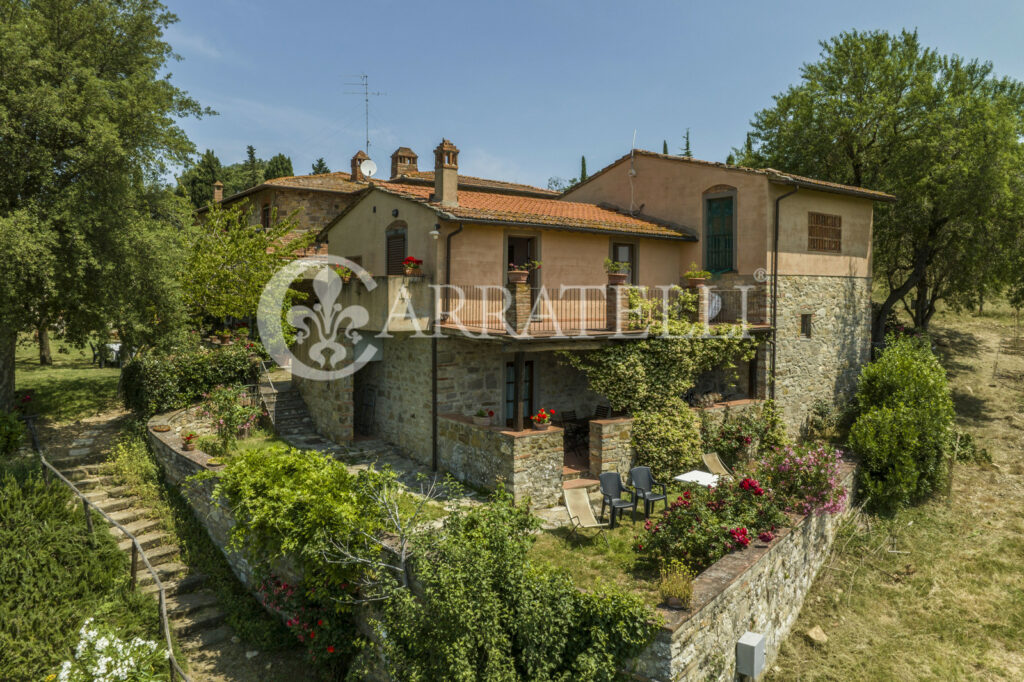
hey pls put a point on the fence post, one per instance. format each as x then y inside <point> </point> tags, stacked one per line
<point>88,517</point>
<point>135,562</point>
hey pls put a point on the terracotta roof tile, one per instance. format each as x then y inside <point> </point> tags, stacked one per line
<point>476,183</point>
<point>526,210</point>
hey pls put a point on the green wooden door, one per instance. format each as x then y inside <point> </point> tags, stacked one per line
<point>718,234</point>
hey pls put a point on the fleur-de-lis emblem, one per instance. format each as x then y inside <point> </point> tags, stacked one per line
<point>325,322</point>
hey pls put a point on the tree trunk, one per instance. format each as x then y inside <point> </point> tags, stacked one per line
<point>8,342</point>
<point>45,355</point>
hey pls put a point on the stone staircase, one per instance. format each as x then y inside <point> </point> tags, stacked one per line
<point>286,408</point>
<point>192,609</point>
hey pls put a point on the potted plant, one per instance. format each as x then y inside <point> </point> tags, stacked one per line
<point>483,417</point>
<point>695,276</point>
<point>542,420</point>
<point>618,271</point>
<point>411,264</point>
<point>188,441</point>
<point>676,585</point>
<point>345,273</point>
<point>242,333</point>
<point>225,337</point>
<point>518,274</point>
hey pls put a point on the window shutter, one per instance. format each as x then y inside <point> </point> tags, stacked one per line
<point>395,253</point>
<point>824,232</point>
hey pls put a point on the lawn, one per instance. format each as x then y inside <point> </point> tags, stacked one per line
<point>70,389</point>
<point>937,592</point>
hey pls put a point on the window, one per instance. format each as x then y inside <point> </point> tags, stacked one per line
<point>626,253</point>
<point>265,216</point>
<point>395,251</point>
<point>510,391</point>
<point>719,234</point>
<point>824,232</point>
<point>805,325</point>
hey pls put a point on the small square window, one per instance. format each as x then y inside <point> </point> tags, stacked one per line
<point>805,325</point>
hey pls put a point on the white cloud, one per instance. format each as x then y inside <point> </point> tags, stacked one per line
<point>191,43</point>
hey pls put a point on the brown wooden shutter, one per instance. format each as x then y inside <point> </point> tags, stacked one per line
<point>396,253</point>
<point>824,232</point>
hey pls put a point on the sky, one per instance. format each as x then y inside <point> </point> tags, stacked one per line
<point>525,88</point>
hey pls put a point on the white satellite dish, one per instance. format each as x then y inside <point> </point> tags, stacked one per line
<point>368,168</point>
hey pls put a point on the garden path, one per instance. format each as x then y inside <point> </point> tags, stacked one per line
<point>211,647</point>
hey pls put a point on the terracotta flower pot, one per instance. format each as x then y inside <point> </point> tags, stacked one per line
<point>517,276</point>
<point>694,282</point>
<point>541,426</point>
<point>188,447</point>
<point>617,278</point>
<point>481,421</point>
<point>413,272</point>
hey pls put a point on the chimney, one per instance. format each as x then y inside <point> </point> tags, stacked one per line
<point>403,162</point>
<point>218,192</point>
<point>357,173</point>
<point>446,174</point>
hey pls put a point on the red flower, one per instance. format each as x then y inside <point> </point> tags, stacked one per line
<point>490,413</point>
<point>766,536</point>
<point>312,634</point>
<point>320,622</point>
<point>330,649</point>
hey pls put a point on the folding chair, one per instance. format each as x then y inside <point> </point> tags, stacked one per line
<point>581,514</point>
<point>715,465</point>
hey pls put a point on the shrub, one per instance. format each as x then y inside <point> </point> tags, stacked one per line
<point>12,433</point>
<point>486,611</point>
<point>805,479</point>
<point>703,525</point>
<point>963,448</point>
<point>753,431</point>
<point>668,441</point>
<point>905,413</point>
<point>102,655</point>
<point>676,583</point>
<point>233,412</point>
<point>156,383</point>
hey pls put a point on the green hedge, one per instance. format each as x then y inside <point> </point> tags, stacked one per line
<point>151,384</point>
<point>902,431</point>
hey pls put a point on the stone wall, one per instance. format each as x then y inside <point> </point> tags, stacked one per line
<point>329,402</point>
<point>528,462</point>
<point>611,447</point>
<point>760,589</point>
<point>826,365</point>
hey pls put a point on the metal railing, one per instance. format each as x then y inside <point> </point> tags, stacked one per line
<point>137,552</point>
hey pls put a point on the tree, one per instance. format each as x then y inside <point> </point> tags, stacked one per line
<point>86,126</point>
<point>196,183</point>
<point>279,166</point>
<point>559,184</point>
<point>664,146</point>
<point>939,132</point>
<point>583,169</point>
<point>685,149</point>
<point>229,262</point>
<point>320,167</point>
<point>252,168</point>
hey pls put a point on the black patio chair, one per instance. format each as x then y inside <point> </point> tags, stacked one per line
<point>644,484</point>
<point>95,353</point>
<point>612,490</point>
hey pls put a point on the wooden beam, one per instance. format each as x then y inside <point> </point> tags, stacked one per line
<point>518,369</point>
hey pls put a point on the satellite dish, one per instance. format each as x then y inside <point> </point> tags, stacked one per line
<point>368,168</point>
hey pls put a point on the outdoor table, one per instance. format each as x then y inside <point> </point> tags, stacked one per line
<point>697,476</point>
<point>115,351</point>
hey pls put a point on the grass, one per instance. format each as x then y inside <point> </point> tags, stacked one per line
<point>936,592</point>
<point>70,389</point>
<point>589,560</point>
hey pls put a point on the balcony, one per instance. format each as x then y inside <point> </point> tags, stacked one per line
<point>392,296</point>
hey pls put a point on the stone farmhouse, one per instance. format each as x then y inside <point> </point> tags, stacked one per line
<point>465,338</point>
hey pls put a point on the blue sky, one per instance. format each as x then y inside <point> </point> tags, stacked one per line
<point>525,88</point>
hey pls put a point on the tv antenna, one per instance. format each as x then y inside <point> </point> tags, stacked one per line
<point>364,83</point>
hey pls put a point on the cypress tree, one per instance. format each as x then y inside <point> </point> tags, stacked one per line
<point>583,168</point>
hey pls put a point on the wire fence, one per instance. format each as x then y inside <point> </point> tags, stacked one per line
<point>137,552</point>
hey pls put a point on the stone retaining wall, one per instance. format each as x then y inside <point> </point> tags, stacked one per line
<point>528,462</point>
<point>760,589</point>
<point>611,447</point>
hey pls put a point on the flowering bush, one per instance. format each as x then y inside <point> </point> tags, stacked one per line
<point>101,656</point>
<point>233,412</point>
<point>702,526</point>
<point>805,478</point>
<point>542,417</point>
<point>740,435</point>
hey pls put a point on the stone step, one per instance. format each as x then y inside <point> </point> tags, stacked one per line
<point>189,602</point>
<point>588,483</point>
<point>161,555</point>
<point>137,528</point>
<point>109,505</point>
<point>174,586</point>
<point>77,457</point>
<point>94,482</point>
<point>203,619</point>
<point>97,494</point>
<point>167,571</point>
<point>78,473</point>
<point>206,638</point>
<point>127,516</point>
<point>147,540</point>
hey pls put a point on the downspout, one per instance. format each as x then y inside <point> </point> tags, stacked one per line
<point>433,348</point>
<point>775,288</point>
